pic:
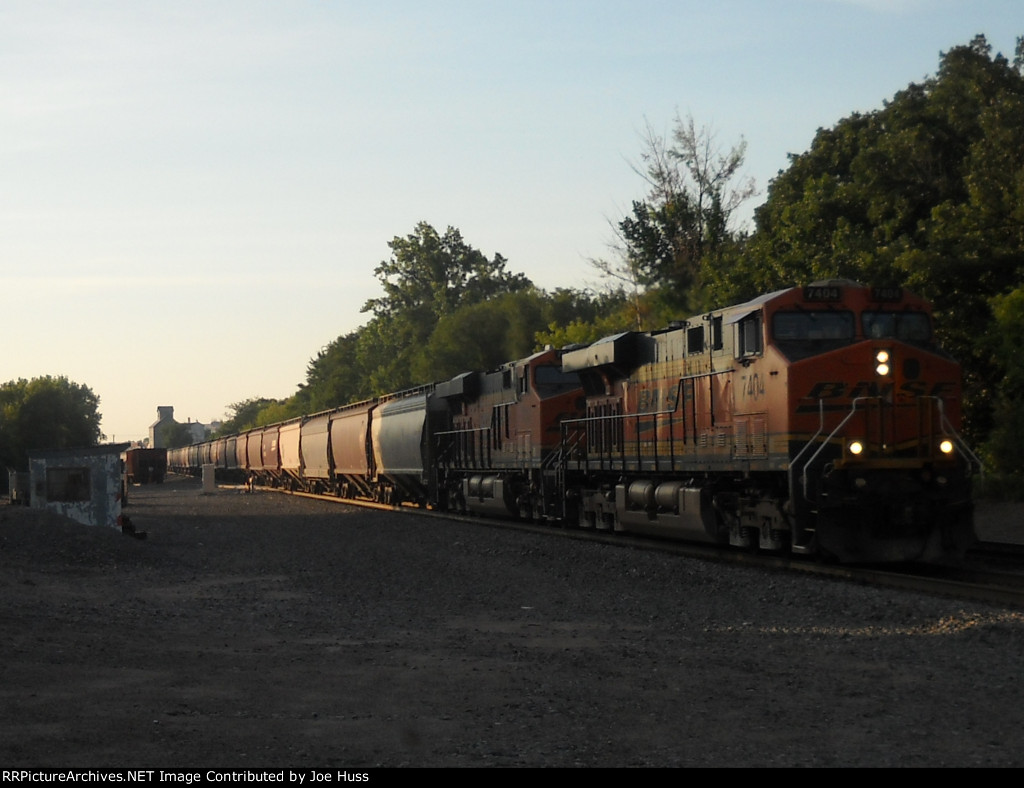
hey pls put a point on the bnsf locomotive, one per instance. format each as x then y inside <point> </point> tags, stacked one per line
<point>820,420</point>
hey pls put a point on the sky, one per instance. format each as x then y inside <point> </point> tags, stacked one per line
<point>194,195</point>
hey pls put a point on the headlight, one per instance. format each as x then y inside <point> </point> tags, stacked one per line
<point>882,359</point>
<point>946,446</point>
<point>856,448</point>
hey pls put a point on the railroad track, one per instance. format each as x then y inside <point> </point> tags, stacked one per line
<point>975,581</point>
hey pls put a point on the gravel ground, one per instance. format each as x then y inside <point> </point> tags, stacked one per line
<point>266,631</point>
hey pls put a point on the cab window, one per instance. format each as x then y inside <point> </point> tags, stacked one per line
<point>748,336</point>
<point>804,333</point>
<point>551,381</point>
<point>695,340</point>
<point>812,326</point>
<point>907,326</point>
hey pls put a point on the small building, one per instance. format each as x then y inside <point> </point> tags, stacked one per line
<point>83,484</point>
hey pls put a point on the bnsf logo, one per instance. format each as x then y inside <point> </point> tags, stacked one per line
<point>914,388</point>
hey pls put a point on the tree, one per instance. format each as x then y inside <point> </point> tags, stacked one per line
<point>246,415</point>
<point>46,413</point>
<point>404,345</point>
<point>428,278</point>
<point>430,275</point>
<point>1005,447</point>
<point>335,377</point>
<point>684,224</point>
<point>483,335</point>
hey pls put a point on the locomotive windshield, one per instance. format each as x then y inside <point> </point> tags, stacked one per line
<point>551,381</point>
<point>807,333</point>
<point>804,333</point>
<point>908,326</point>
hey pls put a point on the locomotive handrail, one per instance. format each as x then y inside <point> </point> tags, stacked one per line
<point>568,446</point>
<point>424,388</point>
<point>615,447</point>
<point>461,432</point>
<point>824,443</point>
<point>467,450</point>
<point>622,418</point>
<point>958,441</point>
<point>814,437</point>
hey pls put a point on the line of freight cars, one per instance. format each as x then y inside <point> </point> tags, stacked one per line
<point>819,420</point>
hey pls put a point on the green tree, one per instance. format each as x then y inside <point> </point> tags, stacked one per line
<point>482,336</point>
<point>336,376</point>
<point>245,415</point>
<point>278,411</point>
<point>392,352</point>
<point>1005,448</point>
<point>592,318</point>
<point>46,413</point>
<point>430,275</point>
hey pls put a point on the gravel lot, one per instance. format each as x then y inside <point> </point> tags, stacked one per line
<point>266,631</point>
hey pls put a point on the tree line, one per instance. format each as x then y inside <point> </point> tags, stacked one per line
<point>925,193</point>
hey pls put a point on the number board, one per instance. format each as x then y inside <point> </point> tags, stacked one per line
<point>822,293</point>
<point>887,295</point>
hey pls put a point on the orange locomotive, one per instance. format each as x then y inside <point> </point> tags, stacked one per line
<point>818,420</point>
<point>500,454</point>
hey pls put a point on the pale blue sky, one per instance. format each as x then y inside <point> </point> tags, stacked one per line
<point>194,195</point>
